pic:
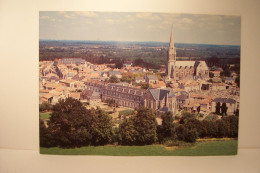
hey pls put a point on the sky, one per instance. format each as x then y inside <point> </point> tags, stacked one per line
<point>123,26</point>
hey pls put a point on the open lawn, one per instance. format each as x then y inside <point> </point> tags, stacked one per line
<point>45,115</point>
<point>226,147</point>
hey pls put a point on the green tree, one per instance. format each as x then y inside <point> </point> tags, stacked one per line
<point>218,108</point>
<point>166,130</point>
<point>237,80</point>
<point>127,132</point>
<point>100,127</point>
<point>113,79</point>
<point>145,85</point>
<point>69,122</point>
<point>224,109</point>
<point>140,129</point>
<point>211,75</point>
<point>45,107</point>
<point>119,64</point>
<point>145,124</point>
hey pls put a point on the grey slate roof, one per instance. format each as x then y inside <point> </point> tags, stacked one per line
<point>159,94</point>
<point>224,100</point>
<point>152,77</point>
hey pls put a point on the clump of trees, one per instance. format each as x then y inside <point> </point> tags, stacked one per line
<point>45,107</point>
<point>72,125</point>
<point>140,129</point>
<point>113,79</point>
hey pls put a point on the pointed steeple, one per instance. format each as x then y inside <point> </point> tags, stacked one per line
<point>171,39</point>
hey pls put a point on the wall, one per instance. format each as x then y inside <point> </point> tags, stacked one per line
<point>19,145</point>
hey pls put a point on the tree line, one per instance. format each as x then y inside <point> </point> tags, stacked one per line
<point>72,125</point>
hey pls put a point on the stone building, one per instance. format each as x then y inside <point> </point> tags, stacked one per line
<point>184,69</point>
<point>123,95</point>
<point>231,104</point>
<point>162,100</point>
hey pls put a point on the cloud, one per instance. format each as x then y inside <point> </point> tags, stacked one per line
<point>186,21</point>
<point>44,17</point>
<point>69,16</point>
<point>211,19</point>
<point>110,21</point>
<point>86,13</point>
<point>147,16</point>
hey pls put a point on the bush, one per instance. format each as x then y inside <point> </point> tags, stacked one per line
<point>45,107</point>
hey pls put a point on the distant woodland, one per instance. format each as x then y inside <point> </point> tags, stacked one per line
<point>152,54</point>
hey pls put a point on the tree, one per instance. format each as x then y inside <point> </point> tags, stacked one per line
<point>113,79</point>
<point>166,130</point>
<point>224,109</point>
<point>145,125</point>
<point>45,107</point>
<point>237,80</point>
<point>100,127</point>
<point>218,108</point>
<point>232,121</point>
<point>211,75</point>
<point>139,129</point>
<point>119,64</point>
<point>69,123</point>
<point>127,132</point>
<point>145,85</point>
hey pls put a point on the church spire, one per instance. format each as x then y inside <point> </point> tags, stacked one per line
<point>171,39</point>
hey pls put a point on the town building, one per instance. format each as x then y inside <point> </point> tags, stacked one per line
<point>161,100</point>
<point>126,96</point>
<point>184,69</point>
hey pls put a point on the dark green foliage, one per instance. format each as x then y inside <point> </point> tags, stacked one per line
<point>100,127</point>
<point>211,75</point>
<point>72,125</point>
<point>119,64</point>
<point>166,130</point>
<point>232,121</point>
<point>218,108</point>
<point>145,85</point>
<point>209,129</point>
<point>139,129</point>
<point>226,72</point>
<point>113,79</point>
<point>222,128</point>
<point>127,132</point>
<point>45,107</point>
<point>47,139</point>
<point>185,134</point>
<point>111,102</point>
<point>237,80</point>
<point>224,109</point>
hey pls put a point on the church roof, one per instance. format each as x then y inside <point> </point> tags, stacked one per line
<point>159,94</point>
<point>185,63</point>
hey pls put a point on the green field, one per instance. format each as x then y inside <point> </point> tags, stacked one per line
<point>227,147</point>
<point>45,115</point>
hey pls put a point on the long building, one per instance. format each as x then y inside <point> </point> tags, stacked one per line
<point>123,95</point>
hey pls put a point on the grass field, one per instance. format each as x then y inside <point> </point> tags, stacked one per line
<point>45,115</point>
<point>227,147</point>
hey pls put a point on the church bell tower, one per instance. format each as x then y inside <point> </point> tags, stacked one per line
<point>171,58</point>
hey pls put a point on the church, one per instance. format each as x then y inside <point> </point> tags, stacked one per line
<point>177,70</point>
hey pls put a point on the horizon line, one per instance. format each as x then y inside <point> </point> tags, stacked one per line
<point>139,42</point>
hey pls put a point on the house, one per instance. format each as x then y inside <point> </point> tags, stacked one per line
<point>151,79</point>
<point>115,73</point>
<point>158,84</point>
<point>139,80</point>
<point>231,104</point>
<point>90,96</point>
<point>160,100</point>
<point>127,96</point>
